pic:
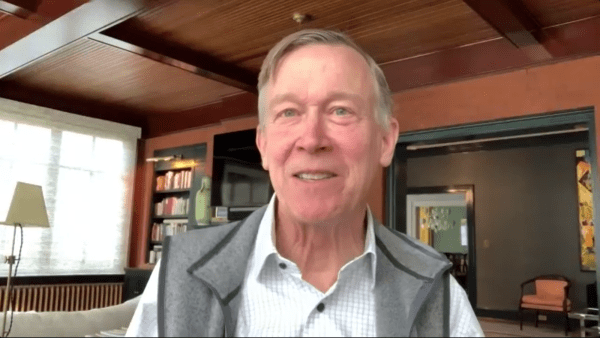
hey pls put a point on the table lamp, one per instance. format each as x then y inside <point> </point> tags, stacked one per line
<point>27,209</point>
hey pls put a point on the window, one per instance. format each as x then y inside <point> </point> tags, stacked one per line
<point>85,167</point>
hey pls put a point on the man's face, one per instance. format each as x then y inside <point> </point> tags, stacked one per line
<point>321,143</point>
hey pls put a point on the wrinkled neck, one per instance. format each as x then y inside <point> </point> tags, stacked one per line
<point>321,249</point>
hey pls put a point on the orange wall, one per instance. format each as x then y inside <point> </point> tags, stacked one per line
<point>530,91</point>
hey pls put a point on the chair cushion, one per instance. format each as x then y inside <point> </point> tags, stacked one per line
<point>550,288</point>
<point>550,295</point>
<point>545,307</point>
<point>537,300</point>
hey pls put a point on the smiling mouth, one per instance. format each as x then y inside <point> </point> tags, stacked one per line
<point>315,176</point>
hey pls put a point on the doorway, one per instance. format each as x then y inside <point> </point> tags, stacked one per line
<point>444,218</point>
<point>472,138</point>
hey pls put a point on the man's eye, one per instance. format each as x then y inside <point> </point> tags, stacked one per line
<point>341,112</point>
<point>289,113</point>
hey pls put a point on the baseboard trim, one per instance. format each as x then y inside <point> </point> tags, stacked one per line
<point>498,314</point>
<point>528,317</point>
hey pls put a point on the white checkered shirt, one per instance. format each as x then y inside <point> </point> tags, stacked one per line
<point>277,302</point>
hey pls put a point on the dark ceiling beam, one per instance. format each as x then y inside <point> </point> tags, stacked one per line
<point>511,19</point>
<point>248,84</point>
<point>12,90</point>
<point>574,40</point>
<point>19,8</point>
<point>85,20</point>
<point>131,37</point>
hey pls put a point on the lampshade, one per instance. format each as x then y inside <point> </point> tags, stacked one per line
<point>27,207</point>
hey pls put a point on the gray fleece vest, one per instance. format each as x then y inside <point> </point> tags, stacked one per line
<point>202,273</point>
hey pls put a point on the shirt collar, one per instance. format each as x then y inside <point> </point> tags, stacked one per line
<point>265,242</point>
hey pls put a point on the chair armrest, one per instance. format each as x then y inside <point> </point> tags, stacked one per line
<point>567,287</point>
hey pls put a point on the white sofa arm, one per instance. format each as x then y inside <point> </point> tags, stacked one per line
<point>71,324</point>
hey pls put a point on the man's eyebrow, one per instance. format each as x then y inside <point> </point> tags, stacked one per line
<point>345,96</point>
<point>283,98</point>
<point>331,97</point>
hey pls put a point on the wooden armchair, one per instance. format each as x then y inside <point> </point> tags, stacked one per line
<point>551,295</point>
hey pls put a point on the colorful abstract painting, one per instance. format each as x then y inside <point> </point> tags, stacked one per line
<point>425,235</point>
<point>586,211</point>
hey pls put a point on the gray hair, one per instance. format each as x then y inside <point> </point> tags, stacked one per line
<point>383,96</point>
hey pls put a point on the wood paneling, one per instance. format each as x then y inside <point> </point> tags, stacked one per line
<point>566,41</point>
<point>513,21</point>
<point>93,70</point>
<point>54,9</point>
<point>68,103</point>
<point>555,12</point>
<point>242,32</point>
<point>13,28</point>
<point>245,104</point>
<point>130,36</point>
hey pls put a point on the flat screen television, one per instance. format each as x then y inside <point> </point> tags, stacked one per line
<point>238,177</point>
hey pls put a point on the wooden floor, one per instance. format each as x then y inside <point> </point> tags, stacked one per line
<point>503,328</point>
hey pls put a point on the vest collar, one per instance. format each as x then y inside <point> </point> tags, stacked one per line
<point>224,266</point>
<point>406,273</point>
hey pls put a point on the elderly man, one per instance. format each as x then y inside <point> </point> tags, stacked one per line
<point>313,262</point>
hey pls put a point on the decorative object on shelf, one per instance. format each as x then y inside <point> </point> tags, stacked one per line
<point>203,202</point>
<point>587,252</point>
<point>27,209</point>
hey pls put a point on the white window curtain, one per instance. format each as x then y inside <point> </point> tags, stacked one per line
<point>85,167</point>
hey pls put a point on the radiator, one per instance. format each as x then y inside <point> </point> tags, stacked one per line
<point>64,297</point>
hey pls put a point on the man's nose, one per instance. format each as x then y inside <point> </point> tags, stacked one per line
<point>314,136</point>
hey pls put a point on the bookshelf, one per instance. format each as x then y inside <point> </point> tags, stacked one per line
<point>177,195</point>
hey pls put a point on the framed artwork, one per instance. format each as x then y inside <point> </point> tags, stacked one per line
<point>424,232</point>
<point>586,211</point>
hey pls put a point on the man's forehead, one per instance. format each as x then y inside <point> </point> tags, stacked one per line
<point>341,70</point>
<point>338,55</point>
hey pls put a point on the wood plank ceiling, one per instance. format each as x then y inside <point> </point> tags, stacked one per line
<point>389,30</point>
<point>163,57</point>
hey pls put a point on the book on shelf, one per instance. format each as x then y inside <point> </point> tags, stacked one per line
<point>159,232</point>
<point>172,206</point>
<point>169,180</point>
<point>177,180</point>
<point>155,254</point>
<point>174,180</point>
<point>167,228</point>
<point>160,183</point>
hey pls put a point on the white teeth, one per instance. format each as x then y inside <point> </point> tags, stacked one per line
<point>320,176</point>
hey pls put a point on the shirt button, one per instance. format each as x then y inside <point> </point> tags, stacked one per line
<point>282,265</point>
<point>320,307</point>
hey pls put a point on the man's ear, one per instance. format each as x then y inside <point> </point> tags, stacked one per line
<point>261,144</point>
<point>388,145</point>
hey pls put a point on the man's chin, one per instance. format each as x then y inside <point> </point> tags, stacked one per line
<point>315,215</point>
<point>312,209</point>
